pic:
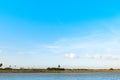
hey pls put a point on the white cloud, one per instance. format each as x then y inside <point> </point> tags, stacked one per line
<point>71,55</point>
<point>109,57</point>
<point>107,44</point>
<point>95,56</point>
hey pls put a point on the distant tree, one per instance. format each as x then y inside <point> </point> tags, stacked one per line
<point>7,68</point>
<point>111,69</point>
<point>1,64</point>
<point>53,68</point>
<point>59,66</point>
<point>10,66</point>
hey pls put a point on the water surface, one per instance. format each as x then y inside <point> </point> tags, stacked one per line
<point>60,76</point>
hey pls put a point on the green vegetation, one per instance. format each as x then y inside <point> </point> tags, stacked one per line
<point>57,69</point>
<point>1,64</point>
<point>59,66</point>
<point>8,68</point>
<point>111,69</point>
<point>54,68</point>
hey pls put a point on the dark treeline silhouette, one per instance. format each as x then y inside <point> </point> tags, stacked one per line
<point>53,68</point>
<point>1,64</point>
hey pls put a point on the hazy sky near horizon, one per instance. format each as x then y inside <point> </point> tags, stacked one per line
<point>72,33</point>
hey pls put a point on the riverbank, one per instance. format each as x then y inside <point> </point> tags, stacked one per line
<point>56,71</point>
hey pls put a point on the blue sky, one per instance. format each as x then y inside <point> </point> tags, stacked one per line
<point>74,34</point>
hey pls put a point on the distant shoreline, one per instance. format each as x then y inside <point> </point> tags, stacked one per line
<point>57,71</point>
